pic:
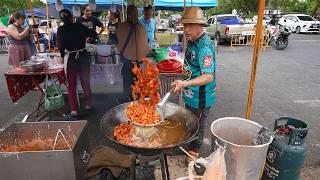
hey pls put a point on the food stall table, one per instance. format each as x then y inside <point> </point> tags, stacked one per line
<point>20,82</point>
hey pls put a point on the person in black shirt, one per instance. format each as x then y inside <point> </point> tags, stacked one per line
<point>113,24</point>
<point>91,22</point>
<point>71,42</point>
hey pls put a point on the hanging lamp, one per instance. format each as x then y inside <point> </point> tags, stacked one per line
<point>76,10</point>
<point>59,5</point>
<point>92,4</point>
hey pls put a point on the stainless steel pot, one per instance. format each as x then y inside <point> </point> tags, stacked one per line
<point>33,65</point>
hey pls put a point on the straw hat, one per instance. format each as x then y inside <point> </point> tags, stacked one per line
<point>193,15</point>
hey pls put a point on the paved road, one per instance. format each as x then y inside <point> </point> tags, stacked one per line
<point>287,84</point>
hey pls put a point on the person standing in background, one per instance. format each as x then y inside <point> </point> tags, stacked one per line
<point>72,42</point>
<point>19,37</point>
<point>113,24</point>
<point>91,22</point>
<point>150,24</point>
<point>133,45</point>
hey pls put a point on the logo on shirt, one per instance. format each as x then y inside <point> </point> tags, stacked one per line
<point>186,71</point>
<point>207,61</point>
<point>88,24</point>
<point>188,93</point>
<point>193,55</point>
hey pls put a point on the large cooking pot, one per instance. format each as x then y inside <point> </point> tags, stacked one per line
<point>171,111</point>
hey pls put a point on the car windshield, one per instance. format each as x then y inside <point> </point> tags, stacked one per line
<point>305,18</point>
<point>227,18</point>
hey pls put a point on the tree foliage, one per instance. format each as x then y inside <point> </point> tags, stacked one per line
<point>248,7</point>
<point>10,6</point>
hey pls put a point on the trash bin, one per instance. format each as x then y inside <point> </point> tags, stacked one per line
<point>244,160</point>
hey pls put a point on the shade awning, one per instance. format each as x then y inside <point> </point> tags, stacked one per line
<point>178,5</point>
<point>100,4</point>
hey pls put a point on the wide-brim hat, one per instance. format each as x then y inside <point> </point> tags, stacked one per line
<point>193,15</point>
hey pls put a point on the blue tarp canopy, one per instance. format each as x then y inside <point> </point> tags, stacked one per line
<point>178,5</point>
<point>101,4</point>
<point>37,13</point>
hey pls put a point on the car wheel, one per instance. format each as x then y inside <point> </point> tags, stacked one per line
<point>315,32</point>
<point>217,37</point>
<point>298,30</point>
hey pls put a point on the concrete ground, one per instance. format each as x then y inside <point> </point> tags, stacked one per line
<point>287,84</point>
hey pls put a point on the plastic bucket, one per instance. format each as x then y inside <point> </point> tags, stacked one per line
<point>161,54</point>
<point>104,50</point>
<point>244,161</point>
<point>106,74</point>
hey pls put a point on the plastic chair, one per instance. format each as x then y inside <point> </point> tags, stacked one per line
<point>165,85</point>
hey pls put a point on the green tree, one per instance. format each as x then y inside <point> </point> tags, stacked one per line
<point>10,6</point>
<point>313,7</point>
<point>243,7</point>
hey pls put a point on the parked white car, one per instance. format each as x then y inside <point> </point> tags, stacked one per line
<point>301,23</point>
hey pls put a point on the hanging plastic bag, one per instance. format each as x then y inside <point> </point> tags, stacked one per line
<point>59,5</point>
<point>92,4</point>
<point>53,96</point>
<point>215,166</point>
<point>76,11</point>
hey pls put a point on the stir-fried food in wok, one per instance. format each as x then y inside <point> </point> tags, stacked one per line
<point>121,133</point>
<point>146,91</point>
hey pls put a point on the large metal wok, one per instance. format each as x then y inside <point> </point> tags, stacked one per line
<point>171,111</point>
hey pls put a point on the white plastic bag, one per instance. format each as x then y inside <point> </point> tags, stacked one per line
<point>215,166</point>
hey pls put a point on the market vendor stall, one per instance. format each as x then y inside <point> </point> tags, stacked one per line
<point>20,81</point>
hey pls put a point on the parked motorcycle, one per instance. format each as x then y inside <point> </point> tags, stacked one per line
<point>279,37</point>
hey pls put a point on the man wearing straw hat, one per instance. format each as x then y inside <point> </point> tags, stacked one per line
<point>199,82</point>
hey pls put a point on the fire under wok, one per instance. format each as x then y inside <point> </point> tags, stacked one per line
<point>179,128</point>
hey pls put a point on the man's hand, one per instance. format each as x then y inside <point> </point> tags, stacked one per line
<point>179,85</point>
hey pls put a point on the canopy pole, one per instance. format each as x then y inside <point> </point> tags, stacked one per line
<point>122,11</point>
<point>47,15</point>
<point>255,57</point>
<point>34,22</point>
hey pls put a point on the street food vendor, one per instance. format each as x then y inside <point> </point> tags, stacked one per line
<point>71,42</point>
<point>150,24</point>
<point>198,73</point>
<point>19,37</point>
<point>133,46</point>
<point>91,22</point>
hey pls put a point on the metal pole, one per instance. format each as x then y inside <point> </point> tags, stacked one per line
<point>47,14</point>
<point>255,57</point>
<point>34,22</point>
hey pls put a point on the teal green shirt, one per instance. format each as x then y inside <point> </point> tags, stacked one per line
<point>200,59</point>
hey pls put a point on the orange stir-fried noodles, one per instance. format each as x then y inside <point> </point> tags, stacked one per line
<point>146,91</point>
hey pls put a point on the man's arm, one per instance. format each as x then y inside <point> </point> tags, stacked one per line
<point>207,68</point>
<point>100,25</point>
<point>155,30</point>
<point>199,81</point>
